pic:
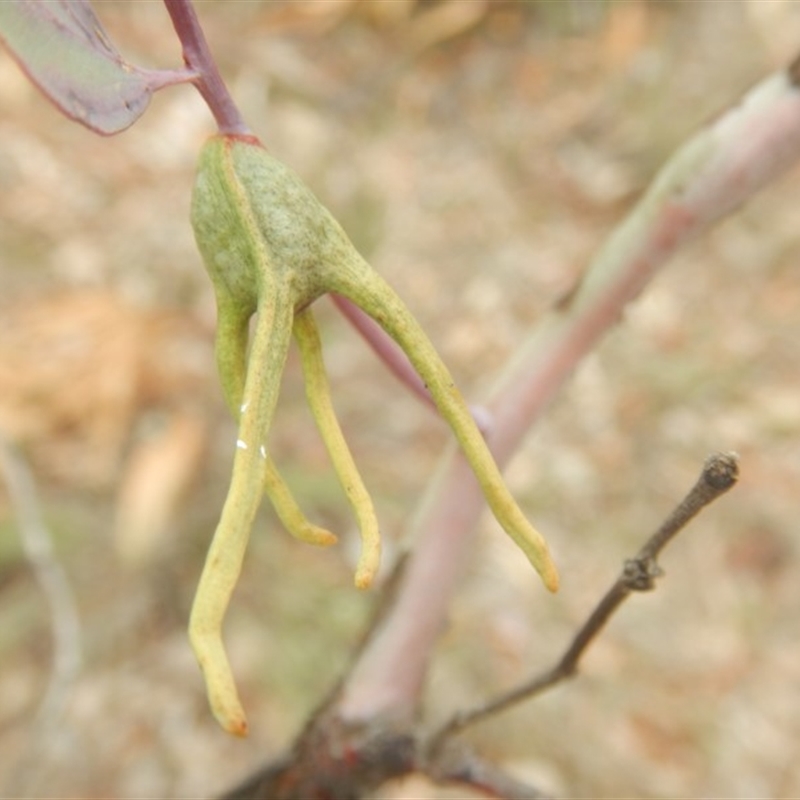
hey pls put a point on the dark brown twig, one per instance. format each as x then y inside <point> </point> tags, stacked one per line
<point>459,764</point>
<point>719,474</point>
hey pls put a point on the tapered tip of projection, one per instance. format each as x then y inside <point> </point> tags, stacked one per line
<point>228,711</point>
<point>236,726</point>
<point>312,534</point>
<point>549,574</point>
<point>368,563</point>
<point>220,686</point>
<point>533,544</point>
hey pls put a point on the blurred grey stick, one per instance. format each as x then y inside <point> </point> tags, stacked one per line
<point>51,577</point>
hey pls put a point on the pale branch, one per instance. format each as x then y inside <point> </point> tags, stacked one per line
<point>720,167</point>
<point>712,174</point>
<point>720,473</point>
<point>52,579</point>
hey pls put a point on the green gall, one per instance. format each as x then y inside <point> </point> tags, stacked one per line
<point>271,249</point>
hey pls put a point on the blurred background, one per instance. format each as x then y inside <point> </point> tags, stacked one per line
<point>477,153</point>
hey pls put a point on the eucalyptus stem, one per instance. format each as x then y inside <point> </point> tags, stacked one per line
<point>197,56</point>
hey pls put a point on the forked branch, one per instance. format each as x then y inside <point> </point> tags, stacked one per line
<point>377,753</point>
<point>720,473</point>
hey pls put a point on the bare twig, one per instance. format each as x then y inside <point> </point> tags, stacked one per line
<point>51,577</point>
<point>719,474</point>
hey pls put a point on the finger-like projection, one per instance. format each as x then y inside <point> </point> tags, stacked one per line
<point>271,249</point>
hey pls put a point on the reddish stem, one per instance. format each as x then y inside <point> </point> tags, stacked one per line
<point>197,56</point>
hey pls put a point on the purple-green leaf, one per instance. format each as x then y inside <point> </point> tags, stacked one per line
<point>64,50</point>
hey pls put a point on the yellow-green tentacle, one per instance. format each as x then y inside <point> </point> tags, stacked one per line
<point>231,354</point>
<point>224,559</point>
<point>319,399</point>
<point>289,512</point>
<point>367,289</point>
<point>230,350</point>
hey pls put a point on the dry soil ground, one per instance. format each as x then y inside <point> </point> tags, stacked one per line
<point>478,154</point>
